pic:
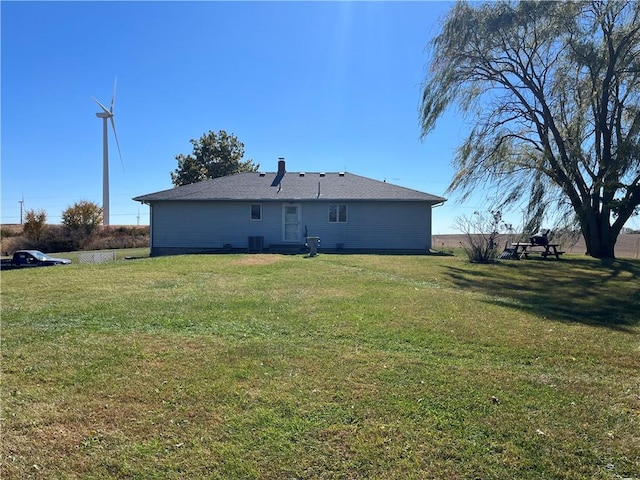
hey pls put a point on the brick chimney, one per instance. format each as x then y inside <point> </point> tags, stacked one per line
<point>281,165</point>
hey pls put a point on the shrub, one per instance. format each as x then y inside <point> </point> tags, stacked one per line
<point>481,233</point>
<point>6,232</point>
<point>84,216</point>
<point>59,238</point>
<point>52,238</point>
<point>34,223</point>
<point>119,237</point>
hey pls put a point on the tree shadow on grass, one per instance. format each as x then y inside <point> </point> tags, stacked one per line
<point>589,292</point>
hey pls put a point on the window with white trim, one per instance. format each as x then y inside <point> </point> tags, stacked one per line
<point>338,213</point>
<point>256,211</point>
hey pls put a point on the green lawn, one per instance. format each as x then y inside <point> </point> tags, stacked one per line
<point>333,367</point>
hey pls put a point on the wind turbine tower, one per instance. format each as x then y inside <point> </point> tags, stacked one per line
<point>107,114</point>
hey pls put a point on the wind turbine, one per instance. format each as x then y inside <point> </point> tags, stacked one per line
<point>107,114</point>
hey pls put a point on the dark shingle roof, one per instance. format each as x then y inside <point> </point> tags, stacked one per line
<point>293,186</point>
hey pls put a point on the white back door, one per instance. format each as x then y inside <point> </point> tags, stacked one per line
<point>291,220</point>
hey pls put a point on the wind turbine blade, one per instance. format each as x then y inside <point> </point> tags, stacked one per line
<point>101,106</point>
<point>113,125</point>
<point>113,97</point>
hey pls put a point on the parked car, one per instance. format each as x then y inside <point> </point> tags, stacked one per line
<point>31,258</point>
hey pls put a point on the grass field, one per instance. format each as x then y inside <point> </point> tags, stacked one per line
<point>333,367</point>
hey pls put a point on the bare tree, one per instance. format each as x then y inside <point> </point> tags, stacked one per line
<point>481,233</point>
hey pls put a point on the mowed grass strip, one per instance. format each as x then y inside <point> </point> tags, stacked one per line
<point>355,366</point>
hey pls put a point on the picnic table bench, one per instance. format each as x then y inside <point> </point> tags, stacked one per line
<point>524,249</point>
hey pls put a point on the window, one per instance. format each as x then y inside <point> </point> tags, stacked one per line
<point>337,213</point>
<point>256,211</point>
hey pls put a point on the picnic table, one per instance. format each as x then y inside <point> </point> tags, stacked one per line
<point>524,249</point>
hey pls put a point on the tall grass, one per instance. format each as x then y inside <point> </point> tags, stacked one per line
<point>276,367</point>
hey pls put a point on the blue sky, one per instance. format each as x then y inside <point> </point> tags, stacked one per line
<point>330,86</point>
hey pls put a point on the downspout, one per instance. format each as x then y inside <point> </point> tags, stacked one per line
<point>435,205</point>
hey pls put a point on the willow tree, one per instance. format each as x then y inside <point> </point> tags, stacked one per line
<point>552,90</point>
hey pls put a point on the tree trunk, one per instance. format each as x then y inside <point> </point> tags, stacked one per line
<point>600,239</point>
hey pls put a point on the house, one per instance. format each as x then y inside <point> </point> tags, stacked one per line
<point>276,212</point>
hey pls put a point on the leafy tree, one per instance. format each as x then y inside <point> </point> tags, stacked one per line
<point>214,155</point>
<point>83,216</point>
<point>554,92</point>
<point>34,223</point>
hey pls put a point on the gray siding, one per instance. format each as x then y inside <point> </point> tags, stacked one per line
<point>210,225</point>
<point>372,226</point>
<point>182,227</point>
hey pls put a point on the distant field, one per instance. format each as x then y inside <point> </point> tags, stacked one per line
<point>333,367</point>
<point>627,246</point>
<point>14,228</point>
